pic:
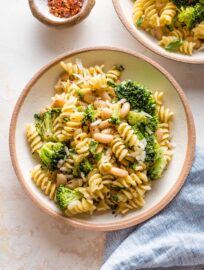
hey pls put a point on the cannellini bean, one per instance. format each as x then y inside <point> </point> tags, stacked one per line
<point>59,103</point>
<point>74,183</point>
<point>105,124</point>
<point>125,110</point>
<point>94,129</point>
<point>61,179</point>
<point>103,138</point>
<point>106,113</point>
<point>98,103</point>
<point>118,172</point>
<point>108,131</point>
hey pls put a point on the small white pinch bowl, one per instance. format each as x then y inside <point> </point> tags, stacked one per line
<point>37,94</point>
<point>124,10</point>
<point>40,11</point>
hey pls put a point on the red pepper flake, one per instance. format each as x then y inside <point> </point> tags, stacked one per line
<point>64,8</point>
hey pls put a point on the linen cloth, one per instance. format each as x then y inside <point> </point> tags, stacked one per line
<point>173,239</point>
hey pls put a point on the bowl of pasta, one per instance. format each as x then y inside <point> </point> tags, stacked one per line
<point>171,28</point>
<point>102,138</point>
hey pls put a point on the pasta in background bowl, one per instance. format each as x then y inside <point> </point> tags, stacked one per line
<point>158,29</point>
<point>111,159</point>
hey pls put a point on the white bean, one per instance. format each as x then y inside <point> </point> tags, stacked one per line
<point>108,131</point>
<point>106,113</point>
<point>105,124</point>
<point>61,179</point>
<point>125,110</point>
<point>74,183</point>
<point>94,129</point>
<point>118,172</point>
<point>98,103</point>
<point>103,138</point>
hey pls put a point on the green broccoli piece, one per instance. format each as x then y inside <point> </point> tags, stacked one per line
<point>85,166</point>
<point>115,118</point>
<point>135,117</point>
<point>180,3</point>
<point>65,196</point>
<point>51,153</point>
<point>191,15</point>
<point>139,97</point>
<point>93,147</point>
<point>89,115</point>
<point>145,126</point>
<point>44,123</point>
<point>158,167</point>
<point>151,149</point>
<point>152,124</point>
<point>140,133</point>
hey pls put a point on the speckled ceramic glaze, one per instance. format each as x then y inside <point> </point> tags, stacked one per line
<point>40,10</point>
<point>37,94</point>
<point>124,11</point>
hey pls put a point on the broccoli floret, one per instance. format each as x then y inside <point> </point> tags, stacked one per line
<point>76,170</point>
<point>93,149</point>
<point>115,118</point>
<point>51,153</point>
<point>156,170</point>
<point>65,196</point>
<point>152,124</point>
<point>139,97</point>
<point>44,123</point>
<point>89,115</point>
<point>140,133</point>
<point>135,117</point>
<point>180,3</point>
<point>85,166</point>
<point>144,126</point>
<point>151,149</point>
<point>191,15</point>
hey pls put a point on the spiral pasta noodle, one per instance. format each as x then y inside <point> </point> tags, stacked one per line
<point>127,134</point>
<point>33,138</point>
<point>167,14</point>
<point>43,180</point>
<point>119,148</point>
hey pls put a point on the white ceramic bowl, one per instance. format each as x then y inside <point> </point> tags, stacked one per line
<point>124,11</point>
<point>37,94</point>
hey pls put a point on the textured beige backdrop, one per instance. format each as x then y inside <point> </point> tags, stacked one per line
<point>29,239</point>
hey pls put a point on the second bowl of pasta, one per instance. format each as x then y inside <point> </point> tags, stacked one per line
<point>171,28</point>
<point>98,143</point>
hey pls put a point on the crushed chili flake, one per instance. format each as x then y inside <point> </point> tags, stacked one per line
<point>64,8</point>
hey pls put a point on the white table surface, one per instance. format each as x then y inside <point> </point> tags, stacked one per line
<point>29,239</point>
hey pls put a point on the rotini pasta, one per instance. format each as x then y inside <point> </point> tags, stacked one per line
<point>43,180</point>
<point>99,147</point>
<point>33,138</point>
